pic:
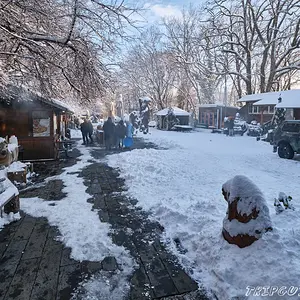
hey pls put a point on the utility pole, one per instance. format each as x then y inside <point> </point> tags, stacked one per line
<point>225,95</point>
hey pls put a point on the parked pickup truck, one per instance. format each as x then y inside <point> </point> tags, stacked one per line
<point>286,139</point>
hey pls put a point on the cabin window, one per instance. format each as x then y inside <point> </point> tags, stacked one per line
<point>271,109</point>
<point>255,109</point>
<point>41,123</point>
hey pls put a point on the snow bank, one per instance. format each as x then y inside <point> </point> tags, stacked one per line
<point>250,199</point>
<point>16,166</point>
<point>8,218</point>
<point>181,187</point>
<point>7,190</point>
<point>76,134</point>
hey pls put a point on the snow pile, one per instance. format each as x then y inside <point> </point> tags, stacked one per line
<point>3,172</point>
<point>181,187</point>
<point>12,143</point>
<point>76,134</point>
<point>176,110</point>
<point>250,199</point>
<point>7,184</point>
<point>104,286</point>
<point>16,166</point>
<point>7,190</point>
<point>8,218</point>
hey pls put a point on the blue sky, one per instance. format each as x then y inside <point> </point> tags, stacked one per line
<point>166,8</point>
<point>155,10</point>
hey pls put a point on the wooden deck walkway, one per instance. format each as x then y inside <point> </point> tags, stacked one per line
<point>34,265</point>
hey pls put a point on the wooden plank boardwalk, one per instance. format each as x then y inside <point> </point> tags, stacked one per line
<point>34,265</point>
<point>31,261</point>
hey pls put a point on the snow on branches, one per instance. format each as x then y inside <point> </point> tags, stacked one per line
<point>58,47</point>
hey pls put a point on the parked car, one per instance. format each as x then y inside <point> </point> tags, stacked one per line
<point>267,132</point>
<point>254,129</point>
<point>286,139</point>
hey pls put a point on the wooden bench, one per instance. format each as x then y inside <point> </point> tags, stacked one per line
<point>9,198</point>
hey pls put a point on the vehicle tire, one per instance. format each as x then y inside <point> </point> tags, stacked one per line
<point>285,151</point>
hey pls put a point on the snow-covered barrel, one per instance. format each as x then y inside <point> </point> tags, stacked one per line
<point>247,217</point>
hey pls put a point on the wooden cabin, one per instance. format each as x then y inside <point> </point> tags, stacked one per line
<point>261,107</point>
<point>34,120</point>
<point>258,107</point>
<point>212,115</point>
<point>182,115</point>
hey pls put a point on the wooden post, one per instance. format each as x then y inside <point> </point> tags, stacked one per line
<point>262,115</point>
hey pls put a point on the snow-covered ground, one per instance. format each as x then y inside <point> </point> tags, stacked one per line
<point>181,186</point>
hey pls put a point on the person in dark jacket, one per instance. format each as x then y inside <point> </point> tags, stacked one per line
<point>120,134</point>
<point>109,130</point>
<point>90,130</point>
<point>84,131</point>
<point>231,126</point>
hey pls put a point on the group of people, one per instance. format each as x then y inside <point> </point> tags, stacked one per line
<point>114,135</point>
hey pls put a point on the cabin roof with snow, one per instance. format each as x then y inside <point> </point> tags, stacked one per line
<point>216,105</point>
<point>289,99</point>
<point>177,111</point>
<point>19,94</point>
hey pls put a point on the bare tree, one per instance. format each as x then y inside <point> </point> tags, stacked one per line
<point>261,41</point>
<point>150,68</point>
<point>192,45</point>
<point>58,47</point>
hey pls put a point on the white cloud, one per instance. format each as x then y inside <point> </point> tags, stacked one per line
<point>165,10</point>
<point>152,14</point>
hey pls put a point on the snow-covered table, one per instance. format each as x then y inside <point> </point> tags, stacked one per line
<point>17,171</point>
<point>8,192</point>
